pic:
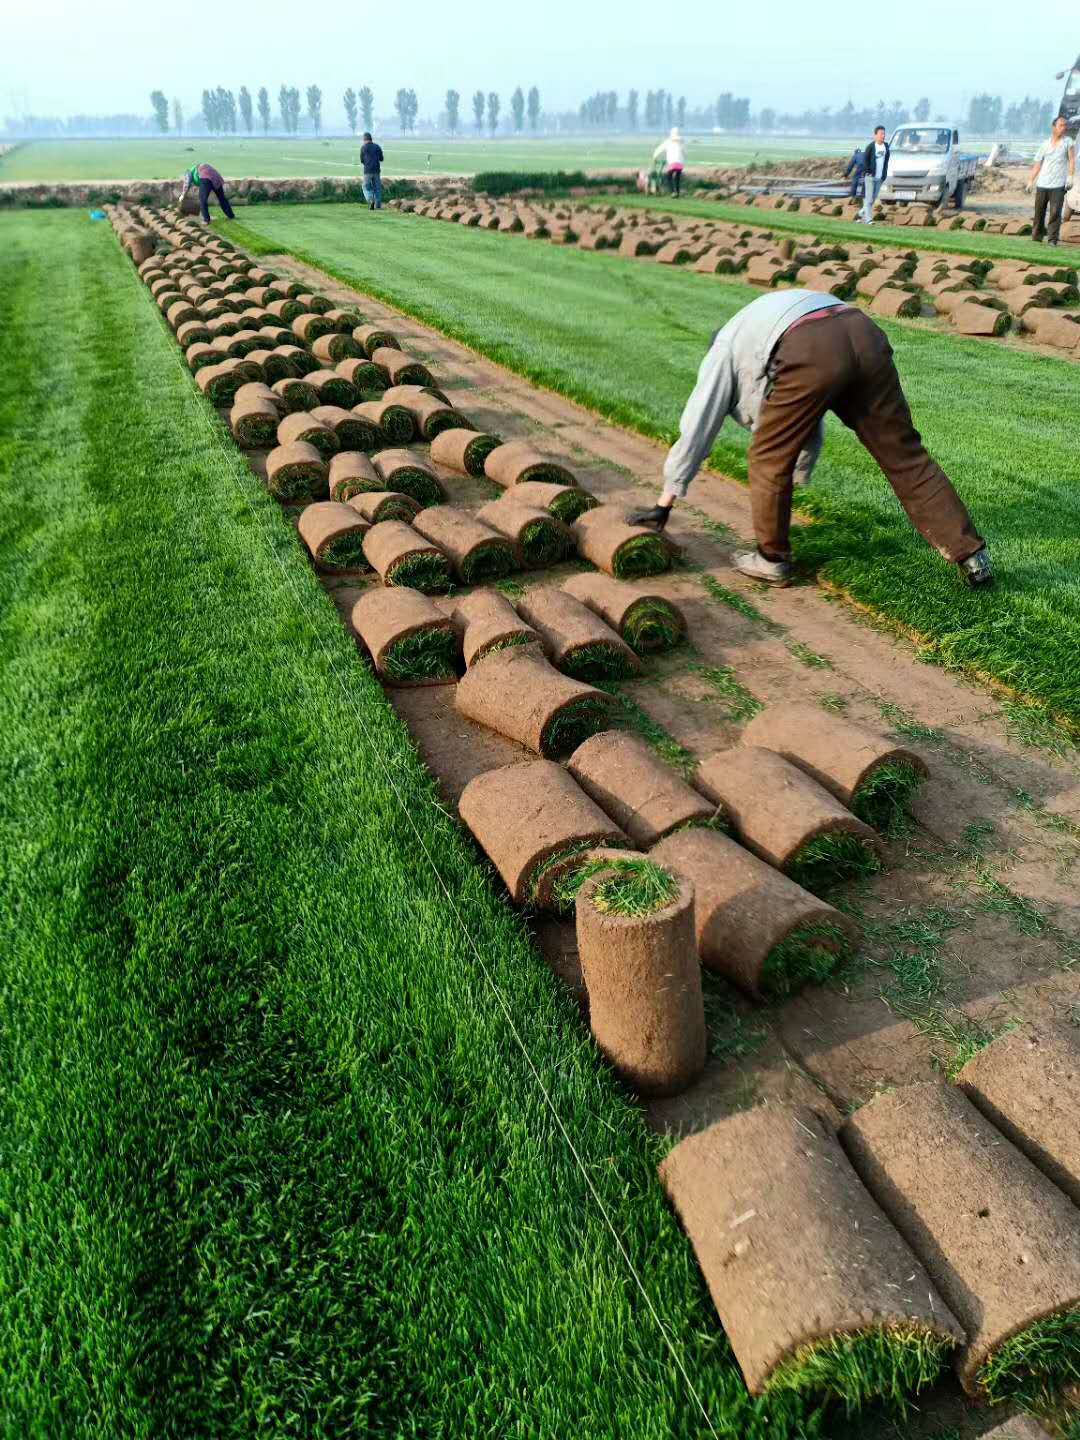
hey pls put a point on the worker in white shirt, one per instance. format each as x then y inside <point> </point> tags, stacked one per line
<point>876,166</point>
<point>674,153</point>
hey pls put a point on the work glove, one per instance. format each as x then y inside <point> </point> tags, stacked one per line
<point>654,518</point>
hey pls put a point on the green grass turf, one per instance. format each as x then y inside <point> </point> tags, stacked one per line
<point>273,1160</point>
<point>599,660</point>
<point>1035,1364</point>
<point>829,858</point>
<point>894,1362</point>
<point>808,956</point>
<point>883,799</point>
<point>636,889</point>
<point>627,340</point>
<point>423,655</point>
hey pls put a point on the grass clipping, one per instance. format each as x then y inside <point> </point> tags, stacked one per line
<point>886,1363</point>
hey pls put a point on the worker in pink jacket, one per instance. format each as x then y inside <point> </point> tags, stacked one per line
<point>207,180</point>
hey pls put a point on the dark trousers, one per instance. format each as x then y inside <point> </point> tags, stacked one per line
<point>844,363</point>
<point>1048,208</point>
<point>205,187</point>
<point>856,184</point>
<point>674,180</point>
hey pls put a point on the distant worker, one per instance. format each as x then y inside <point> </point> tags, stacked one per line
<point>776,368</point>
<point>876,170</point>
<point>371,158</point>
<point>673,152</point>
<point>856,168</point>
<point>207,180</point>
<point>1053,172</point>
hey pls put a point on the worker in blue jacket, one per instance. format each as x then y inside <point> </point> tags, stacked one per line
<point>856,168</point>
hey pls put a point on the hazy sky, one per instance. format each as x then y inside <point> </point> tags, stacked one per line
<point>105,56</point>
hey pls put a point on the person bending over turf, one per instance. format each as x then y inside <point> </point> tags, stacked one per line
<point>207,179</point>
<point>776,368</point>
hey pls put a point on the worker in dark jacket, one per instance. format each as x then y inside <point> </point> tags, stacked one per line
<point>856,168</point>
<point>371,158</point>
<point>208,181</point>
<point>876,167</point>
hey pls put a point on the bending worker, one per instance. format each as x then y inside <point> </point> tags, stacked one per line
<point>207,179</point>
<point>775,369</point>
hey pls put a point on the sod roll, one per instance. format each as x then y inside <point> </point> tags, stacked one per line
<point>533,822</point>
<point>1001,1241</point>
<point>411,474</point>
<point>575,639</point>
<point>334,535</point>
<point>374,337</point>
<point>343,318</point>
<point>518,693</point>
<point>972,318</point>
<point>565,502</point>
<point>431,416</point>
<point>219,383</point>
<point>394,421</point>
<point>303,427</point>
<point>303,362</point>
<point>274,366</point>
<point>377,505</point>
<point>402,369</point>
<point>181,312</point>
<point>366,377</point>
<point>202,354</point>
<point>296,472</point>
<point>630,782</point>
<point>798,1257</point>
<point>353,431</point>
<point>409,639</point>
<point>333,389</point>
<point>351,473</point>
<point>254,422</point>
<point>295,394</point>
<point>487,621</point>
<point>286,311</point>
<point>406,394</point>
<point>401,556</point>
<point>518,461</point>
<point>332,349</point>
<point>648,622</point>
<point>316,304</point>
<point>462,450</point>
<point>537,537</point>
<point>193,332</point>
<point>624,551</point>
<point>309,328</point>
<point>1027,1084</point>
<point>897,304</point>
<point>476,552</point>
<point>286,289</point>
<point>755,927</point>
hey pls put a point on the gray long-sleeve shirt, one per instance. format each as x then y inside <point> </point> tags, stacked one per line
<point>732,381</point>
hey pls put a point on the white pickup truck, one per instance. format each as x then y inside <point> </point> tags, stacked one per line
<point>925,164</point>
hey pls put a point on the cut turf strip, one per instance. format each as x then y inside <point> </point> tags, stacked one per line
<point>296,472</point>
<point>538,538</point>
<point>635,934</point>
<point>534,824</point>
<point>254,423</point>
<point>350,473</point>
<point>627,552</point>
<point>648,623</point>
<point>403,557</point>
<point>334,534</point>
<point>352,431</point>
<point>565,502</point>
<point>464,451</point>
<point>394,421</point>
<point>517,462</point>
<point>519,694</point>
<point>303,428</point>
<point>411,474</point>
<point>410,641</point>
<point>575,639</point>
<point>630,782</point>
<point>487,622</point>
<point>377,505</point>
<point>477,553</point>
<point>295,393</point>
<point>1001,1241</point>
<point>755,927</point>
<point>815,1288</point>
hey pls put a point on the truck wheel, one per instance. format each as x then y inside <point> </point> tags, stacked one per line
<point>959,194</point>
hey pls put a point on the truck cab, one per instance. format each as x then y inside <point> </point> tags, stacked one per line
<point>925,165</point>
<point>1070,99</point>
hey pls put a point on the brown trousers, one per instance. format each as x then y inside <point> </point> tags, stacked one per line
<point>844,363</point>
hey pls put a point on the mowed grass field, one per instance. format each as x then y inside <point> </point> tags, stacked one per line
<point>627,339</point>
<point>59,160</point>
<point>300,1136</point>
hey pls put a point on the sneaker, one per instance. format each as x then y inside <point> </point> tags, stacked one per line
<point>977,570</point>
<point>754,566</point>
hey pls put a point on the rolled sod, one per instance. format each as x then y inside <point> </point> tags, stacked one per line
<point>1001,1241</point>
<point>353,431</point>
<point>565,502</point>
<point>971,318</point>
<point>260,276</point>
<point>193,332</point>
<point>534,823</point>
<point>351,472</point>
<point>406,394</point>
<point>575,639</point>
<point>316,304</point>
<point>296,472</point>
<point>222,325</point>
<point>374,337</point>
<point>431,416</point>
<point>331,349</point>
<point>254,423</point>
<point>362,374</point>
<point>377,505</point>
<point>258,390</point>
<point>295,394</point>
<point>401,556</point>
<point>309,328</point>
<point>487,621</point>
<point>333,389</point>
<point>303,362</point>
<point>624,551</point>
<point>537,537</point>
<point>517,461</point>
<point>274,366</point>
<point>394,421</point>
<point>245,341</point>
<point>302,427</point>
<point>201,354</point>
<point>286,310</point>
<point>343,318</point>
<point>286,289</point>
<point>816,1290</point>
<point>636,943</point>
<point>183,313</point>
<point>219,383</point>
<point>409,639</point>
<point>409,473</point>
<point>786,818</point>
<point>518,693</point>
<point>462,450</point>
<point>869,774</point>
<point>403,369</point>
<point>648,622</point>
<point>755,927</point>
<point>1027,1084</point>
<point>630,782</point>
<point>476,552</point>
<point>334,536</point>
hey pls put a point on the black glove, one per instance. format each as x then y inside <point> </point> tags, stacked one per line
<point>654,518</point>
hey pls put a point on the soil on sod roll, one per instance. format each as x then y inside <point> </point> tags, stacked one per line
<point>869,774</point>
<point>406,394</point>
<point>303,361</point>
<point>286,311</point>
<point>1027,1082</point>
<point>303,426</point>
<point>431,416</point>
<point>565,502</point>
<point>373,337</point>
<point>815,1288</point>
<point>635,936</point>
<point>334,534</point>
<point>755,927</point>
<point>410,640</point>
<point>409,473</point>
<point>184,313</point>
<point>462,450</point>
<point>402,369</point>
<point>296,472</point>
<point>193,332</point>
<point>487,621</point>
<point>786,818</point>
<point>274,366</point>
<point>647,622</point>
<point>333,389</point>
<point>344,321</point>
<point>575,639</point>
<point>394,421</point>
<point>624,551</point>
<point>403,557</point>
<point>254,422</point>
<point>534,823</point>
<point>376,505</point>
<point>316,304</point>
<point>219,383</point>
<point>630,782</point>
<point>367,378</point>
<point>350,473</point>
<point>309,328</point>
<point>353,431</point>
<point>476,552</point>
<point>537,537</point>
<point>202,354</point>
<point>332,349</point>
<point>295,394</point>
<point>1001,1241</point>
<point>517,462</point>
<point>518,693</point>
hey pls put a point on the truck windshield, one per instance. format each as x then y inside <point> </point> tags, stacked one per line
<point>927,140</point>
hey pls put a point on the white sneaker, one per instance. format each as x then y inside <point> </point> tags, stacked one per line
<point>754,566</point>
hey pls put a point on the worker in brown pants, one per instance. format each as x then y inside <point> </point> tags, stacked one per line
<point>776,368</point>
